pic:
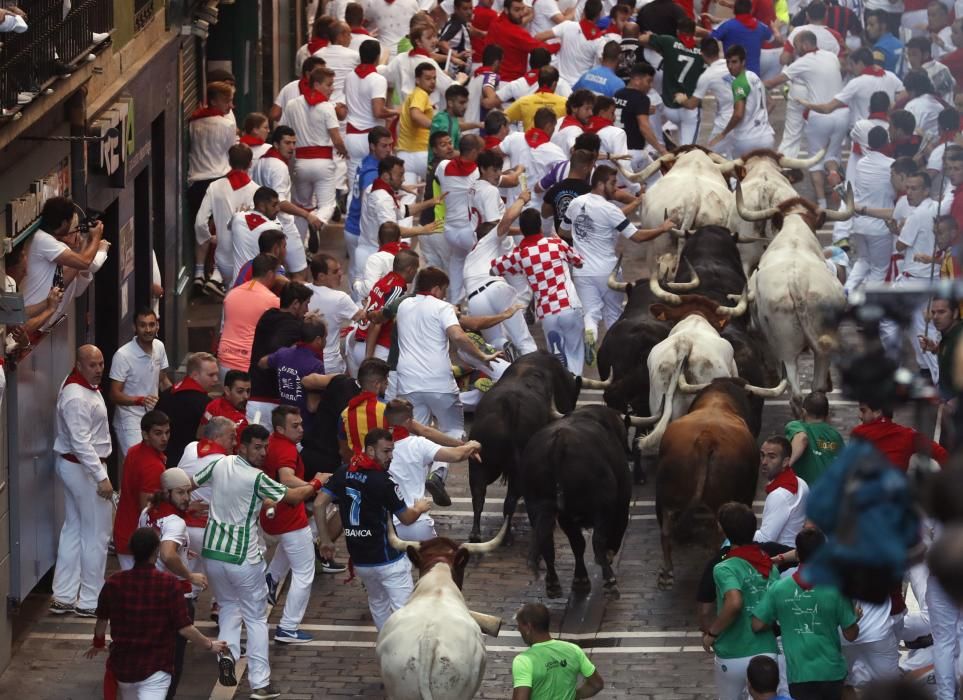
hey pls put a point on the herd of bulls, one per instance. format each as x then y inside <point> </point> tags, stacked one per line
<point>716,329</point>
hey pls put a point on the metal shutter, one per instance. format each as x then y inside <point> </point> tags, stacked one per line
<point>190,77</point>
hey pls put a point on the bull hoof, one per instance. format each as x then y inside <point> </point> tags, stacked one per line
<point>666,580</point>
<point>582,586</point>
<point>553,590</point>
<point>474,536</point>
<point>611,589</point>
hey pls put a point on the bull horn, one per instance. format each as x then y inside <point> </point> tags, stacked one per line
<point>687,388</point>
<point>802,163</point>
<point>644,421</point>
<point>398,543</point>
<point>648,171</point>
<point>685,286</point>
<point>596,383</point>
<point>489,624</point>
<point>491,545</point>
<point>753,214</point>
<point>726,166</point>
<point>845,214</point>
<point>614,283</point>
<point>661,294</point>
<point>738,310</point>
<point>765,393</point>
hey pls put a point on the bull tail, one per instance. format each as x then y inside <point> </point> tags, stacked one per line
<point>820,344</point>
<point>649,444</point>
<point>703,451</point>
<point>427,646</point>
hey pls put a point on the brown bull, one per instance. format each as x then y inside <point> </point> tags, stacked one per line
<point>706,458</point>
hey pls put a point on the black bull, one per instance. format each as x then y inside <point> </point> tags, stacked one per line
<point>517,406</point>
<point>714,256</point>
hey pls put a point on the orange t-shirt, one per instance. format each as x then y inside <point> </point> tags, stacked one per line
<point>243,307</point>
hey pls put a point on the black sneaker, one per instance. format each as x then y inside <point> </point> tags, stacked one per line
<point>85,612</point>
<point>314,239</point>
<point>215,288</point>
<point>225,669</point>
<point>58,608</point>
<point>920,642</point>
<point>268,692</point>
<point>436,487</point>
<point>272,587</point>
<point>330,566</point>
<point>197,287</point>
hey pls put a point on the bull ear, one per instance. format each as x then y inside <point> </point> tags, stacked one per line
<point>658,312</point>
<point>461,558</point>
<point>794,175</point>
<point>415,557</point>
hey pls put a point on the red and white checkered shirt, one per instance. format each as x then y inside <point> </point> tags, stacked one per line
<point>542,260</point>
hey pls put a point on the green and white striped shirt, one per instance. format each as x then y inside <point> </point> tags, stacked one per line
<point>237,490</point>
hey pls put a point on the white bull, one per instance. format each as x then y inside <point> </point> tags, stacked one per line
<point>793,289</point>
<point>432,648</point>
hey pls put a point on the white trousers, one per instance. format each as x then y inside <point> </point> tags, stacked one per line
<point>354,272</point>
<point>128,434</point>
<point>448,413</point>
<point>421,530</point>
<point>154,687</point>
<point>82,551</point>
<point>769,65</point>
<point>313,187</point>
<point>792,132</point>
<point>434,251</point>
<point>730,676</point>
<point>460,242</point>
<point>494,299</point>
<point>259,413</point>
<point>873,255</point>
<point>599,303</point>
<point>357,147</point>
<point>914,19</point>
<point>241,591</point>
<point>565,338</point>
<point>295,552</point>
<point>946,628</point>
<point>892,338</point>
<point>738,145</point>
<point>355,352</point>
<point>869,661</point>
<point>416,166</point>
<point>826,131</point>
<point>295,257</point>
<point>687,120</point>
<point>195,542</point>
<point>389,586</point>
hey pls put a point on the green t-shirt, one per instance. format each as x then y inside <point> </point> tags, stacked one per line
<point>444,122</point>
<point>551,669</point>
<point>738,640</point>
<point>740,88</point>
<point>825,442</point>
<point>681,67</point>
<point>810,621</point>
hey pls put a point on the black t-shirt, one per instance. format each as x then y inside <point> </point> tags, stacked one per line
<point>629,104</point>
<point>706,590</point>
<point>275,329</point>
<point>660,17</point>
<point>365,499</point>
<point>321,451</point>
<point>185,409</point>
<point>561,194</point>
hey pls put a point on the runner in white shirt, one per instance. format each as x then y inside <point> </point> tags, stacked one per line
<point>874,655</point>
<point>382,262</point>
<point>354,16</point>
<point>315,121</point>
<point>546,15</point>
<point>612,137</point>
<point>582,43</point>
<point>335,307</point>
<point>815,77</point>
<point>487,295</point>
<point>410,461</point>
<point>339,57</point>
<point>391,20</point>
<point>784,512</point>
<point>400,73</point>
<point>456,178</point>
<point>716,82</point>
<point>749,126</point>
<point>535,149</point>
<point>868,79</point>
<point>578,107</point>
<point>166,516</point>
<point>272,170</point>
<point>247,227</point>
<point>871,237</point>
<point>859,133</point>
<point>291,90</point>
<point>425,324</point>
<point>948,123</point>
<point>528,83</point>
<point>596,224</point>
<point>924,104</point>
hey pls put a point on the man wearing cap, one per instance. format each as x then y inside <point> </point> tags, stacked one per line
<point>165,513</point>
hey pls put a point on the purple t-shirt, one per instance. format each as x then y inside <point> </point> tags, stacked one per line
<point>292,365</point>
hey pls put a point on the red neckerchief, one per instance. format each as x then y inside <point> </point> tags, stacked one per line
<point>753,554</point>
<point>317,353</point>
<point>484,69</point>
<point>316,44</point>
<point>363,462</point>
<point>399,433</point>
<point>597,123</point>
<point>531,240</point>
<point>536,137</point>
<point>360,30</point>
<point>253,219</point>
<point>590,30</point>
<point>491,142</point>
<point>361,398</point>
<point>798,579</point>
<point>238,178</point>
<point>458,167</point>
<point>546,88</point>
<point>531,77</point>
<point>949,136</point>
<point>249,140</point>
<point>611,29</point>
<point>570,120</point>
<point>380,184</point>
<point>272,152</point>
<point>209,447</point>
<point>76,377</point>
<point>203,112</point>
<point>687,40</point>
<point>311,96</point>
<point>394,247</point>
<point>365,69</point>
<point>882,116</point>
<point>418,51</point>
<point>786,479</point>
<point>187,384</point>
<point>156,513</point>
<point>875,71</point>
<point>747,21</point>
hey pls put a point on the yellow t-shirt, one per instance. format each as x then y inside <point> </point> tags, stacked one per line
<point>523,110</point>
<point>412,137</point>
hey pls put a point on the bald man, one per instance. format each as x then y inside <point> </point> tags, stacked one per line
<point>82,447</point>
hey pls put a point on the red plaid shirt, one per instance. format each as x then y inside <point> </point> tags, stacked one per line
<point>145,608</point>
<point>542,260</point>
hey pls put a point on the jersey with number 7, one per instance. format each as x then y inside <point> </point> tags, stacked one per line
<point>681,67</point>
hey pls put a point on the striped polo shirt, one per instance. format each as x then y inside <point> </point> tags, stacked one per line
<point>364,413</point>
<point>237,490</point>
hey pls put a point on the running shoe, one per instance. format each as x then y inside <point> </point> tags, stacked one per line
<point>58,608</point>
<point>272,587</point>
<point>291,636</point>
<point>330,566</point>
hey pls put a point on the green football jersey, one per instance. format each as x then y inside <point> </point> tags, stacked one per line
<point>681,67</point>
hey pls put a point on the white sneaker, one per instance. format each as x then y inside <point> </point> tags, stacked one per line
<point>101,37</point>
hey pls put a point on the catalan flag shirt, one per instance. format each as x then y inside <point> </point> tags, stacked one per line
<point>237,490</point>
<point>364,413</point>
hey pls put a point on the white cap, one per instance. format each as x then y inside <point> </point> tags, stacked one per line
<point>174,478</point>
